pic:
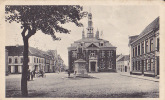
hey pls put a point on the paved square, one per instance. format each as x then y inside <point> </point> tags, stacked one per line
<point>104,85</point>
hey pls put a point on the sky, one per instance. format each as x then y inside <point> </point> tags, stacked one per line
<point>117,23</point>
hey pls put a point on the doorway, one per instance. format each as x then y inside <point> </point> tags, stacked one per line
<point>16,69</point>
<point>142,66</point>
<point>125,68</point>
<point>93,65</point>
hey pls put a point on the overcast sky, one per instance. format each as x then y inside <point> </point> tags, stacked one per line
<point>116,22</point>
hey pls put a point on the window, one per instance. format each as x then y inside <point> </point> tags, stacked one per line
<point>16,60</point>
<point>110,53</point>
<point>102,53</point>
<point>21,59</point>
<point>146,46</point>
<point>151,45</point>
<point>138,65</point>
<point>135,51</point>
<point>133,66</point>
<point>148,65</point>
<point>138,49</point>
<point>102,64</point>
<point>142,48</point>
<point>157,44</point>
<point>151,65</point>
<point>10,60</point>
<point>109,65</point>
<point>101,44</point>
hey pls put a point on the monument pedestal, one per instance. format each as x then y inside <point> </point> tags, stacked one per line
<point>79,68</point>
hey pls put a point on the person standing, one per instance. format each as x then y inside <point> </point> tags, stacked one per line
<point>31,73</point>
<point>28,76</point>
<point>68,73</point>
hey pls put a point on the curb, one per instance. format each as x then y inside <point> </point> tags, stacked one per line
<point>155,80</point>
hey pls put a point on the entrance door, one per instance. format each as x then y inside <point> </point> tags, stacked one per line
<point>93,65</point>
<point>125,68</point>
<point>9,69</point>
<point>16,69</point>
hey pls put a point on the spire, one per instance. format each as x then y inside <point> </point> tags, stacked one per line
<point>90,26</point>
<point>101,34</point>
<point>83,34</point>
<point>97,34</point>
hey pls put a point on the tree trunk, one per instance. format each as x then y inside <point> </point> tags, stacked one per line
<point>25,67</point>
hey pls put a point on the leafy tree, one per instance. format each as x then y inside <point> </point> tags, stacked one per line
<point>48,19</point>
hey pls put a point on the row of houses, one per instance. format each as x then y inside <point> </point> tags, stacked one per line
<point>144,50</point>
<point>48,61</point>
<point>144,53</point>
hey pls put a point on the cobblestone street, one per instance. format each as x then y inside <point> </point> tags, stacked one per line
<point>107,85</point>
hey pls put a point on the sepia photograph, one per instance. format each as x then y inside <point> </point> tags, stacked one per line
<point>82,51</point>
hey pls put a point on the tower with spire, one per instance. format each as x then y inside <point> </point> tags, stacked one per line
<point>90,48</point>
<point>90,26</point>
<point>97,34</point>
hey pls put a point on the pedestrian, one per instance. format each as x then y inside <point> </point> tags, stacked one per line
<point>31,73</point>
<point>68,73</point>
<point>34,73</point>
<point>28,75</point>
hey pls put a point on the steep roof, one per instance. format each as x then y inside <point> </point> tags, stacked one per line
<point>18,51</point>
<point>154,25</point>
<point>14,50</point>
<point>89,41</point>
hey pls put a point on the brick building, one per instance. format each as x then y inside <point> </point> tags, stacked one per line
<point>144,50</point>
<point>99,54</point>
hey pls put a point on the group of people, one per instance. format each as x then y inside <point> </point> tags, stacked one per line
<point>32,74</point>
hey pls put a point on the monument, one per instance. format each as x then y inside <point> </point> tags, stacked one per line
<point>79,68</point>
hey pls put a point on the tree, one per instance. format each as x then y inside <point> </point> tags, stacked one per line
<point>48,19</point>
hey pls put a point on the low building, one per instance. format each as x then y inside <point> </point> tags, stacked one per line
<point>38,59</point>
<point>122,63</point>
<point>144,50</point>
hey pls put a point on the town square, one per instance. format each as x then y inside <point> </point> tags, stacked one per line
<point>113,53</point>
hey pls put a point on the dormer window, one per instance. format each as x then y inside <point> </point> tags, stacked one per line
<point>101,44</point>
<point>82,44</point>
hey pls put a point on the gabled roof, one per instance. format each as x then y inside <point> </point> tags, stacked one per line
<point>124,58</point>
<point>92,45</point>
<point>117,56</point>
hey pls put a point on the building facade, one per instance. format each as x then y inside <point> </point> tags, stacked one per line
<point>6,61</point>
<point>38,60</point>
<point>99,54</point>
<point>144,50</point>
<point>122,63</point>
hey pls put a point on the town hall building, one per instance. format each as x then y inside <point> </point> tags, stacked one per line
<point>99,54</point>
